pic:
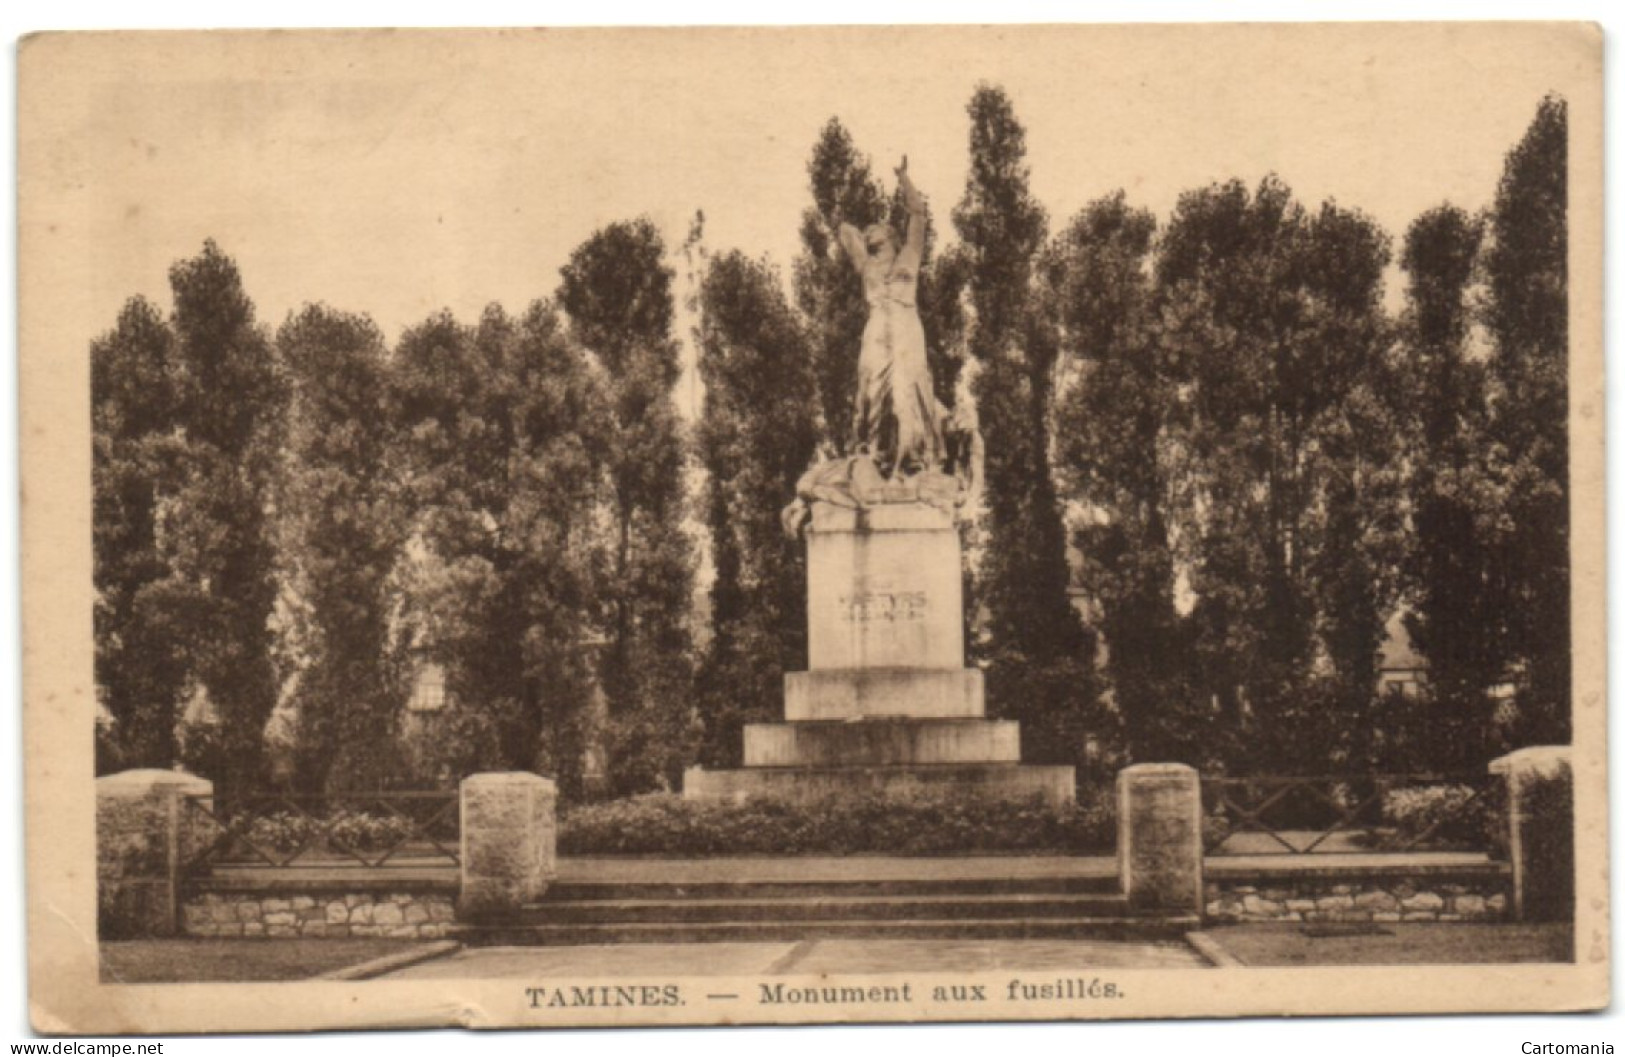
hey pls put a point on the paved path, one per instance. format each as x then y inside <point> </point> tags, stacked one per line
<point>1407,943</point>
<point>645,960</point>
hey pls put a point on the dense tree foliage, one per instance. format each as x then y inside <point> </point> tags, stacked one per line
<point>1526,315</point>
<point>1116,460</point>
<point>343,526</point>
<point>1040,661</point>
<point>140,656</point>
<point>505,429</point>
<point>757,435</point>
<point>1355,538</point>
<point>217,536</point>
<point>1273,317</point>
<point>617,291</point>
<point>1456,614</point>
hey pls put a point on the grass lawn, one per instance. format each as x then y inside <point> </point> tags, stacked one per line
<point>217,960</point>
<point>1413,943</point>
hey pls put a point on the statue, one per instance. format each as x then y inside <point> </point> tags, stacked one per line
<point>894,418</point>
<point>906,446</point>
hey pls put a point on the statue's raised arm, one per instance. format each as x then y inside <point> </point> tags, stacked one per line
<point>914,202</point>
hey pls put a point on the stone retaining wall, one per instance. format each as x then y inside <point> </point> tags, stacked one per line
<point>396,915</point>
<point>1374,899</point>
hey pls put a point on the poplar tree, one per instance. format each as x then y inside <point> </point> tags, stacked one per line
<point>140,659</point>
<point>1040,664</point>
<point>1356,532</point>
<point>217,535</point>
<point>343,526</point>
<point>617,292</point>
<point>758,433</point>
<point>1526,315</point>
<point>1455,618</point>
<point>828,290</point>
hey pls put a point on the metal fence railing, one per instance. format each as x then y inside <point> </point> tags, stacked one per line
<point>368,829</point>
<point>1353,814</point>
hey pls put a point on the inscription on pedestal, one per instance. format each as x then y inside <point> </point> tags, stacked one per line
<point>867,606</point>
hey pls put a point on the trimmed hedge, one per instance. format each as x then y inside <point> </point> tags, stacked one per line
<point>1444,816</point>
<point>284,832</point>
<point>924,823</point>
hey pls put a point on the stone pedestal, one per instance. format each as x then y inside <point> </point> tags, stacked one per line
<point>1540,831</point>
<point>886,704</point>
<point>884,589</point>
<point>145,836</point>
<point>509,841</point>
<point>1159,837</point>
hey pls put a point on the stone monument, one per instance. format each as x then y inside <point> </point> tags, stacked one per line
<point>887,702</point>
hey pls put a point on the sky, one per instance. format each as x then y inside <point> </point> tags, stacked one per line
<point>395,174</point>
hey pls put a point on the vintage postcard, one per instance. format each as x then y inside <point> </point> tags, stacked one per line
<point>545,528</point>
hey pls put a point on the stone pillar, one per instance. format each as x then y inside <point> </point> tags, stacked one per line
<point>1540,831</point>
<point>1159,837</point>
<point>509,835</point>
<point>145,836</point>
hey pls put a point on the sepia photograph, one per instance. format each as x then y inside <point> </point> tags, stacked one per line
<point>703,526</point>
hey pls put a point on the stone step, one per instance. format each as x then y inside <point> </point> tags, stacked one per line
<point>906,899</point>
<point>568,891</point>
<point>1126,927</point>
<point>855,693</point>
<point>881,742</point>
<point>1031,906</point>
<point>1056,785</point>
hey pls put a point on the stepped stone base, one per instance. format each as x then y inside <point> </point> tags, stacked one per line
<point>886,706</point>
<point>1005,780</point>
<point>937,693</point>
<point>882,742</point>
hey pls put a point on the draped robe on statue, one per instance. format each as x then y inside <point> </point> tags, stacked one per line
<point>895,416</point>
